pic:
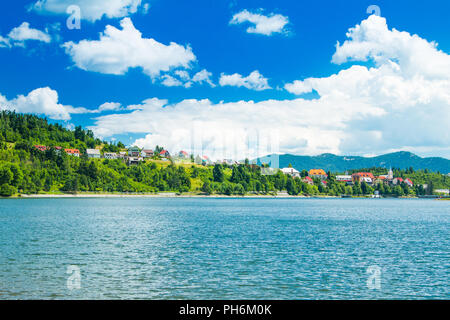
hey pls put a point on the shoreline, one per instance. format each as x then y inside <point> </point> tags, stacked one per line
<point>190,195</point>
<point>151,195</point>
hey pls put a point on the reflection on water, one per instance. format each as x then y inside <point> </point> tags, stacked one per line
<point>183,248</point>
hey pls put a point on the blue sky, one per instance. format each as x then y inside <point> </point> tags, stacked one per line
<point>208,40</point>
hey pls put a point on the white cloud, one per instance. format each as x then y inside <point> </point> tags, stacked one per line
<point>44,101</point>
<point>203,76</point>
<point>410,82</point>
<point>183,74</point>
<point>40,101</point>
<point>18,35</point>
<point>69,126</point>
<point>109,106</point>
<point>395,105</point>
<point>4,42</point>
<point>91,10</point>
<point>24,32</point>
<point>266,25</point>
<point>254,81</point>
<point>222,128</point>
<point>183,78</point>
<point>372,40</point>
<point>119,50</point>
<point>299,87</point>
<point>145,8</point>
<point>170,81</point>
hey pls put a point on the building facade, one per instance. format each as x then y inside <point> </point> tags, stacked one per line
<point>93,153</point>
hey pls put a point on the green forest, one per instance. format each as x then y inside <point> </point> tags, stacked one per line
<point>27,170</point>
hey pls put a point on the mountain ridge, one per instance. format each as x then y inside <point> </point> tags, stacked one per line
<point>335,163</point>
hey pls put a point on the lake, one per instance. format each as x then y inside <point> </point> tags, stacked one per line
<point>224,248</point>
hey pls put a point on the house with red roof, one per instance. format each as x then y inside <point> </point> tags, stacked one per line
<point>202,160</point>
<point>183,154</point>
<point>72,152</point>
<point>206,160</point>
<point>409,182</point>
<point>41,148</point>
<point>367,177</point>
<point>164,154</point>
<point>147,153</point>
<point>317,173</point>
<point>308,180</point>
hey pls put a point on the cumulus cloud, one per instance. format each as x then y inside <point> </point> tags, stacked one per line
<point>18,35</point>
<point>414,56</point>
<point>410,81</point>
<point>183,74</point>
<point>203,76</point>
<point>170,81</point>
<point>92,10</point>
<point>262,24</point>
<point>118,50</point>
<point>45,101</point>
<point>41,101</point>
<point>390,106</point>
<point>254,81</point>
<point>182,78</point>
<point>109,106</point>
<point>223,128</point>
<point>299,86</point>
<point>4,42</point>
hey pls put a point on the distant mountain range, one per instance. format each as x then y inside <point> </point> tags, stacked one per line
<point>334,163</point>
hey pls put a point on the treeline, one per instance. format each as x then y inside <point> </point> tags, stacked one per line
<point>246,178</point>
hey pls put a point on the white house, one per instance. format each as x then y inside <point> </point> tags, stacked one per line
<point>110,155</point>
<point>291,171</point>
<point>134,160</point>
<point>93,153</point>
<point>122,154</point>
<point>134,151</point>
<point>147,153</point>
<point>367,180</point>
<point>344,178</point>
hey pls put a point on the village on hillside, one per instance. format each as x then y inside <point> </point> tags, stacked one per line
<point>315,176</point>
<point>134,155</point>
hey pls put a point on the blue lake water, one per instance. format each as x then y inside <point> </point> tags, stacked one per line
<point>191,248</point>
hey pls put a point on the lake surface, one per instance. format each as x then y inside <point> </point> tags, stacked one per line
<point>208,248</point>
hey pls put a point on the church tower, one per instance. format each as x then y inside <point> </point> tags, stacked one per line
<point>390,174</point>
